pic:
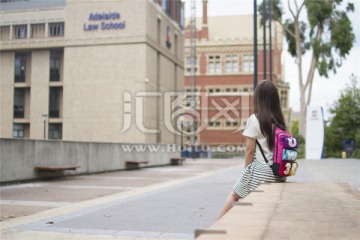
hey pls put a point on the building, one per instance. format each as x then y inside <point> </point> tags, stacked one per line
<point>80,70</point>
<point>224,75</point>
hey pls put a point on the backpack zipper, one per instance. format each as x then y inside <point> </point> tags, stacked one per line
<point>276,152</point>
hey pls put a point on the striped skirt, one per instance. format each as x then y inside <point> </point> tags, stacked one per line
<point>252,176</point>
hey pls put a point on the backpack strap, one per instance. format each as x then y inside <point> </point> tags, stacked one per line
<point>262,152</point>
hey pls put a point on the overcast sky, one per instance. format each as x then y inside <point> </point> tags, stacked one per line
<point>325,90</point>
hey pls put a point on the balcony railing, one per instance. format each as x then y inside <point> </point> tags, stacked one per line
<point>54,77</point>
<point>54,113</point>
<point>18,113</point>
<point>19,78</point>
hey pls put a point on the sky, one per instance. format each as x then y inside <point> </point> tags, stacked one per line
<point>325,90</point>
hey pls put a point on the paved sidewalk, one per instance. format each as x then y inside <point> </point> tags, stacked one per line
<point>163,202</point>
<point>292,211</point>
<point>152,203</point>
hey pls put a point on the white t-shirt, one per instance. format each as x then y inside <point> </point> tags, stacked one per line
<point>252,130</point>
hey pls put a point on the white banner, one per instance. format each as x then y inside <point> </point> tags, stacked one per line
<point>315,133</point>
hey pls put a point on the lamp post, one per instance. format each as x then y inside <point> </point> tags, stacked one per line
<point>45,117</point>
<point>181,128</point>
<point>270,33</point>
<point>255,46</point>
<point>264,37</point>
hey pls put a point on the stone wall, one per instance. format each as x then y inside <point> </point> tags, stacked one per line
<point>19,157</point>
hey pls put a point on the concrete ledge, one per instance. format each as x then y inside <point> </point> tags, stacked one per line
<point>325,210</point>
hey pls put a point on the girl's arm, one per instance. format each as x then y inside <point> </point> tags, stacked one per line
<point>250,150</point>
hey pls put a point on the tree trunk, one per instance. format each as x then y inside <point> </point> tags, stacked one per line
<point>304,102</point>
<point>302,117</point>
<point>302,88</point>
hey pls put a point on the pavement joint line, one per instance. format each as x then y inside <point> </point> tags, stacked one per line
<point>241,204</point>
<point>92,187</point>
<point>44,185</point>
<point>23,185</point>
<point>34,203</point>
<point>34,235</point>
<point>75,207</point>
<point>122,178</point>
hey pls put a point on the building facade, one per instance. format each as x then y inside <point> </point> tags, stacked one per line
<point>80,70</point>
<point>224,75</point>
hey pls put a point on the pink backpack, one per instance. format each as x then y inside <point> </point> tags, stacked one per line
<point>285,153</point>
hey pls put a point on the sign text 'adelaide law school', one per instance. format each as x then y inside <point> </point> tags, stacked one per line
<point>109,21</point>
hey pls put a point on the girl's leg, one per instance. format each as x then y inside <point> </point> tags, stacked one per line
<point>233,197</point>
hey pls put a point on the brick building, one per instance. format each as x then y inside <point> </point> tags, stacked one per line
<point>224,70</point>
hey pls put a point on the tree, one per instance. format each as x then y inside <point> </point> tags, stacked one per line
<point>330,38</point>
<point>345,125</point>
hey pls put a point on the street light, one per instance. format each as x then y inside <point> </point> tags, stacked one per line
<point>181,121</point>
<point>255,46</point>
<point>45,117</point>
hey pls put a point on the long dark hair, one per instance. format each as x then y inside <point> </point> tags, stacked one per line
<point>267,109</point>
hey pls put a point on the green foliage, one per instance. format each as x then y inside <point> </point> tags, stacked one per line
<point>292,41</point>
<point>357,140</point>
<point>301,140</point>
<point>318,12</point>
<point>294,127</point>
<point>276,11</point>
<point>324,17</point>
<point>345,125</point>
<point>327,31</point>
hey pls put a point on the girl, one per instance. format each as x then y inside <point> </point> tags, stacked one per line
<point>260,127</point>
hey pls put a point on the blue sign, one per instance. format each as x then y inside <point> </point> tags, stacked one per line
<point>348,145</point>
<point>104,21</point>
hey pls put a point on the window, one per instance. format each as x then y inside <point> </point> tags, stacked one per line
<point>56,29</point>
<point>176,44</point>
<point>189,90</point>
<point>192,97</point>
<point>232,124</point>
<point>231,63</point>
<point>37,31</point>
<point>54,105</point>
<point>214,64</point>
<point>20,31</point>
<point>247,63</point>
<point>158,31</point>
<point>18,131</point>
<point>190,126</point>
<point>231,89</point>
<point>283,99</point>
<point>166,6</point>
<point>182,16</point>
<point>189,138</point>
<point>55,131</point>
<point>191,64</point>
<point>20,67</point>
<point>214,90</point>
<point>214,124</point>
<point>55,64</point>
<point>5,33</point>
<point>247,89</point>
<point>19,103</point>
